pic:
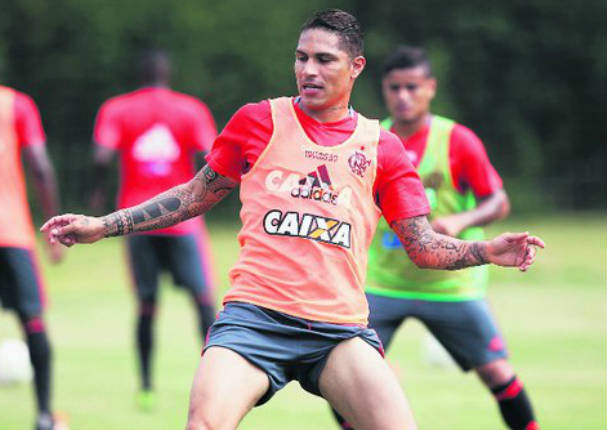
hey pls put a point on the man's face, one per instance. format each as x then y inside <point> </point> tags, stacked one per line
<point>324,72</point>
<point>408,93</point>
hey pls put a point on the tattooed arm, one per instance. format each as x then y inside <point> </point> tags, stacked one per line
<point>171,207</point>
<point>431,250</point>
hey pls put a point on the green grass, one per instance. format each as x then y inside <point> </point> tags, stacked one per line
<point>553,318</point>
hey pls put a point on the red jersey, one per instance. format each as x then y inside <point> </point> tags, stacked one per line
<point>397,188</point>
<point>20,126</point>
<point>468,160</point>
<point>157,131</point>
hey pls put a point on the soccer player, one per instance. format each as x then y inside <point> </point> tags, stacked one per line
<point>157,133</point>
<point>315,176</point>
<point>21,286</point>
<point>465,192</point>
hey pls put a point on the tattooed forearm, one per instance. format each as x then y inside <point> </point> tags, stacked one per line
<point>117,224</point>
<point>171,207</point>
<point>428,249</point>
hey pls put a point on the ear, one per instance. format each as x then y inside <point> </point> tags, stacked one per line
<point>358,65</point>
<point>432,86</point>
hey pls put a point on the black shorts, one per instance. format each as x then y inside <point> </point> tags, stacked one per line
<point>183,256</point>
<point>283,346</point>
<point>466,329</point>
<point>21,287</point>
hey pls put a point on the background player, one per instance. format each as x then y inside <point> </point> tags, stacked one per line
<point>465,192</point>
<point>296,309</point>
<point>157,133</point>
<point>21,286</point>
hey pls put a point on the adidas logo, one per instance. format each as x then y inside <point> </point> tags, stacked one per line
<point>317,178</point>
<point>316,186</point>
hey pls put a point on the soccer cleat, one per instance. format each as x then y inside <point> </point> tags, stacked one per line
<point>146,400</point>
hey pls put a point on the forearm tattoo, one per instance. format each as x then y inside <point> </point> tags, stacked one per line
<point>171,207</point>
<point>429,249</point>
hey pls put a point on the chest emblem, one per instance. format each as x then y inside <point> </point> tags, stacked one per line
<point>358,163</point>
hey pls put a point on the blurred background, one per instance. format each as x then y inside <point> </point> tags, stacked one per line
<point>528,76</point>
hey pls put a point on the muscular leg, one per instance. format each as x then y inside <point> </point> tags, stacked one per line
<point>226,386</point>
<point>358,382</point>
<point>385,317</point>
<point>511,397</point>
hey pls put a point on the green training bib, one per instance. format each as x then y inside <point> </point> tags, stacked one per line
<point>390,271</point>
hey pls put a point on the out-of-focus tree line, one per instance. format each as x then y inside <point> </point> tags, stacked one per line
<point>528,76</point>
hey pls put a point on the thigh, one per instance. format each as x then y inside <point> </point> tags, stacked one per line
<point>358,383</point>
<point>466,329</point>
<point>226,386</point>
<point>187,263</point>
<point>386,314</point>
<point>21,286</point>
<point>144,265</point>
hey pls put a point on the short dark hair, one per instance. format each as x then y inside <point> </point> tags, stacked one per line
<point>407,57</point>
<point>341,23</point>
<point>154,64</point>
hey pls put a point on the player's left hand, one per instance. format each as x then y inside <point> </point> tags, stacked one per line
<point>448,225</point>
<point>514,250</point>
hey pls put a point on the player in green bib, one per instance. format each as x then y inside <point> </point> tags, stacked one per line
<point>465,193</point>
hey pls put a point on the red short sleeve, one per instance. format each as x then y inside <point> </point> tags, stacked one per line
<point>470,165</point>
<point>204,130</point>
<point>107,126</point>
<point>27,121</point>
<point>242,140</point>
<point>400,193</point>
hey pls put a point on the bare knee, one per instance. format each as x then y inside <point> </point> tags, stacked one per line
<point>495,373</point>
<point>198,420</point>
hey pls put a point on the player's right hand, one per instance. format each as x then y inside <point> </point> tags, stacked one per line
<point>70,229</point>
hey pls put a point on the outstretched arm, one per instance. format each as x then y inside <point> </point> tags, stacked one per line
<point>431,250</point>
<point>491,208</point>
<point>171,207</point>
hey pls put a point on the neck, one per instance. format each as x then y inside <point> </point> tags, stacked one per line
<point>158,84</point>
<point>334,113</point>
<point>409,128</point>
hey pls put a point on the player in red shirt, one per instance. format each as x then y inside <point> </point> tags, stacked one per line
<point>466,193</point>
<point>312,193</point>
<point>157,133</point>
<point>21,286</point>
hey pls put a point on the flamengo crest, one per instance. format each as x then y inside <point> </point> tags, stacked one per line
<point>358,163</point>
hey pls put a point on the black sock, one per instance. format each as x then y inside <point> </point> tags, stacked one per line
<point>145,342</point>
<point>341,421</point>
<point>515,405</point>
<point>206,317</point>
<point>40,356</point>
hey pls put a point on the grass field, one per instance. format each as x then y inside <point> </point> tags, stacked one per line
<point>553,317</point>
